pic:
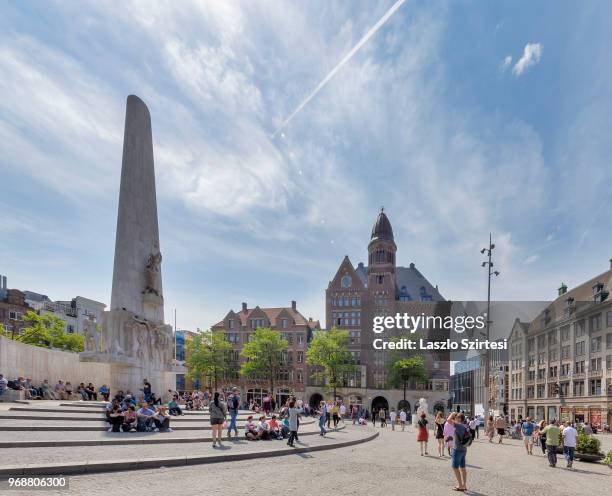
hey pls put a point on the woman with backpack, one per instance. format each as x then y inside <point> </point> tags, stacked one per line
<point>218,411</point>
<point>422,434</point>
<point>462,439</point>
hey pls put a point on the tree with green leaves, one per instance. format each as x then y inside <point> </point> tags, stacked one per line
<point>207,356</point>
<point>402,371</point>
<point>329,353</point>
<point>264,356</point>
<point>47,330</point>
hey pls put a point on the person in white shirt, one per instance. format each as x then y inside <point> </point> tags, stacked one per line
<point>569,443</point>
<point>403,418</point>
<point>392,418</point>
<point>472,426</point>
<point>3,384</point>
<point>342,411</point>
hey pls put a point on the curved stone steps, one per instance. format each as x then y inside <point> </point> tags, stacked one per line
<point>129,439</point>
<point>96,418</point>
<point>91,459</point>
<point>54,424</point>
<point>197,413</point>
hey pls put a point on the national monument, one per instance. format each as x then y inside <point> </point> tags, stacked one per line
<point>132,337</point>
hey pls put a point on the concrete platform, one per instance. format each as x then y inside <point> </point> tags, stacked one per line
<point>91,459</point>
<point>113,438</point>
<point>48,440</point>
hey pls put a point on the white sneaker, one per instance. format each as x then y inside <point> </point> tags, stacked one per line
<point>156,430</point>
<point>169,429</point>
<point>110,429</point>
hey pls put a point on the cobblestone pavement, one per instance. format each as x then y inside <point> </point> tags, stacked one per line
<point>387,465</point>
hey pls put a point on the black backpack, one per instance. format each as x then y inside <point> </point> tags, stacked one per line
<point>466,438</point>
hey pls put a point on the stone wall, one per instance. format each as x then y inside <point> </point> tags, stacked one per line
<point>18,359</point>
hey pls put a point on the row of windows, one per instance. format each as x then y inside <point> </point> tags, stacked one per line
<point>595,365</point>
<point>346,301</point>
<point>257,323</point>
<point>594,389</point>
<point>579,350</point>
<point>580,328</point>
<point>234,337</point>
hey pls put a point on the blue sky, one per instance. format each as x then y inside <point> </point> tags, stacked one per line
<point>430,119</point>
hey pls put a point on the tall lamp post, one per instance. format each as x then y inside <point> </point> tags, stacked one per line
<point>490,272</point>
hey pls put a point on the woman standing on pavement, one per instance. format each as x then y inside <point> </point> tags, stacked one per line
<point>293,422</point>
<point>490,428</point>
<point>542,436</point>
<point>439,426</point>
<point>449,431</point>
<point>422,434</point>
<point>218,411</point>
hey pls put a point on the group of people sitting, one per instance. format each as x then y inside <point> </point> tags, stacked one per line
<point>266,429</point>
<point>124,415</point>
<point>61,391</point>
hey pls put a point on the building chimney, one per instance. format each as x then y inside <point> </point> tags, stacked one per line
<point>611,263</point>
<point>562,289</point>
<point>4,283</point>
<point>244,306</point>
<point>293,305</point>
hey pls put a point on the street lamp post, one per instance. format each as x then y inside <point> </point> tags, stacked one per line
<point>490,272</point>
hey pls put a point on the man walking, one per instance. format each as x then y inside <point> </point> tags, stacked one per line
<point>527,431</point>
<point>233,403</point>
<point>403,418</point>
<point>392,418</point>
<point>500,425</point>
<point>553,433</point>
<point>569,443</point>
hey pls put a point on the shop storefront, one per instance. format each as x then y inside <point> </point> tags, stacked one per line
<point>595,418</point>
<point>552,413</point>
<point>581,415</point>
<point>566,414</point>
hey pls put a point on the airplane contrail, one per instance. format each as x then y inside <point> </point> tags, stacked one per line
<point>371,32</point>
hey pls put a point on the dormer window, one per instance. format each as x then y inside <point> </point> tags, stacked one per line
<point>230,323</point>
<point>599,295</point>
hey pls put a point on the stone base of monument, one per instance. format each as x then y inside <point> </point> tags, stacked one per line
<point>135,347</point>
<point>62,449</point>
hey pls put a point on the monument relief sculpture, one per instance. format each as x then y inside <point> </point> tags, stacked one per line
<point>153,268</point>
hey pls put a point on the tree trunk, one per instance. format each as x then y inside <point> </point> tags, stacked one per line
<point>404,390</point>
<point>335,385</point>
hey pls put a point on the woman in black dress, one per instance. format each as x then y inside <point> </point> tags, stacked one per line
<point>439,426</point>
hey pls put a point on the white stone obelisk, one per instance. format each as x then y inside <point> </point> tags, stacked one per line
<point>132,336</point>
<point>137,237</point>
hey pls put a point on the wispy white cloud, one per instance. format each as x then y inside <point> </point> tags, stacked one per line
<point>532,53</point>
<point>507,62</point>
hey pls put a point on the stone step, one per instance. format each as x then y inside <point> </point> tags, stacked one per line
<point>93,418</point>
<point>126,438</point>
<point>90,459</point>
<point>54,424</point>
<point>30,408</point>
